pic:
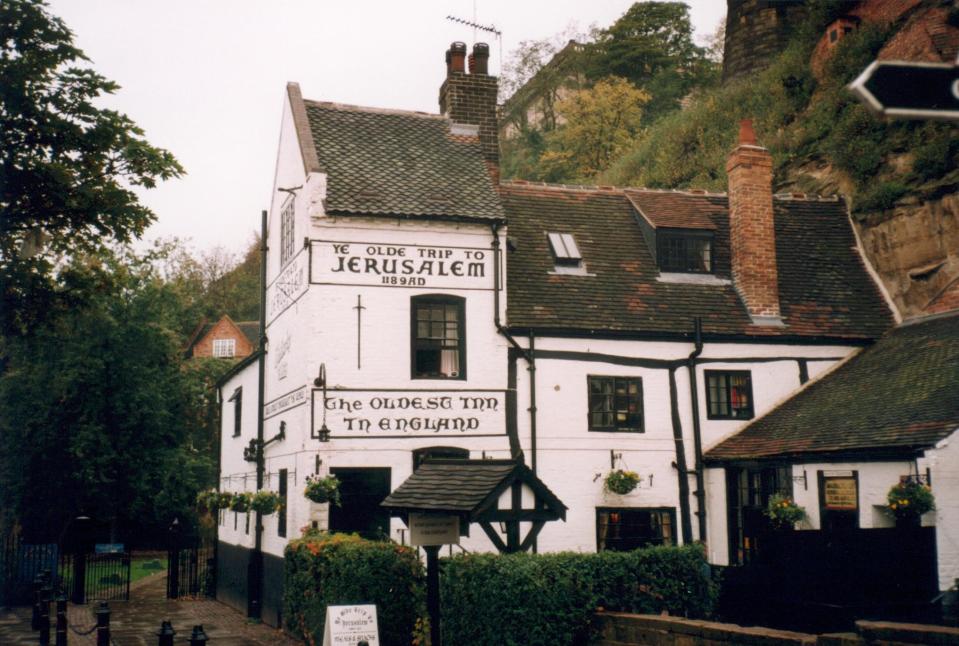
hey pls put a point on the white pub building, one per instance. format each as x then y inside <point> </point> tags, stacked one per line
<point>418,307</point>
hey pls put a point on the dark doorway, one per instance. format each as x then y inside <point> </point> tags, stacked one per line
<point>361,492</point>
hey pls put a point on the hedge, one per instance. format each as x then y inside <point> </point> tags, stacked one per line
<point>549,599</point>
<point>337,569</point>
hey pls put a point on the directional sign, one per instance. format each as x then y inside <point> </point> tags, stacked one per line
<point>910,90</point>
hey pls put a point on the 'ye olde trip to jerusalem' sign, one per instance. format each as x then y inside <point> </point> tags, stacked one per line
<point>396,265</point>
<point>410,413</point>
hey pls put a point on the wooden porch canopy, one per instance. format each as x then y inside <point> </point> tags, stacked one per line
<point>472,489</point>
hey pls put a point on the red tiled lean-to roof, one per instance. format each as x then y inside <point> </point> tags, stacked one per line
<point>825,290</point>
<point>897,396</point>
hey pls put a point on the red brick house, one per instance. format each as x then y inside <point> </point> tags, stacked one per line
<point>224,339</point>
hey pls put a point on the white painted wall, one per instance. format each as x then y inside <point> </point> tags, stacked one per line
<point>943,463</point>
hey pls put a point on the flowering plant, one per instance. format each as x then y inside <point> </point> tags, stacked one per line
<point>621,482</point>
<point>241,502</point>
<point>265,502</point>
<point>910,499</point>
<point>325,489</point>
<point>783,511</point>
<point>213,500</point>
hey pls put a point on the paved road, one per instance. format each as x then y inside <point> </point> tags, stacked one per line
<point>135,622</point>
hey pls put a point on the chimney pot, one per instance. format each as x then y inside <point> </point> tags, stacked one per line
<point>479,59</point>
<point>458,57</point>
<point>747,136</point>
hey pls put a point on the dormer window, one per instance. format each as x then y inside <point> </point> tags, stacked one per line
<point>565,251</point>
<point>685,252</point>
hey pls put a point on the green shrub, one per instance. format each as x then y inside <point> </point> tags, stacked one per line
<point>938,152</point>
<point>338,569</point>
<point>549,599</point>
<point>880,196</point>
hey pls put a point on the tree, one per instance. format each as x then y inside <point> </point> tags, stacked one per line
<point>99,414</point>
<point>67,167</point>
<point>652,46</point>
<point>597,125</point>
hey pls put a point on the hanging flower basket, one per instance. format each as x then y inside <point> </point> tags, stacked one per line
<point>910,500</point>
<point>326,489</point>
<point>265,502</point>
<point>621,482</point>
<point>213,500</point>
<point>241,502</point>
<point>783,511</point>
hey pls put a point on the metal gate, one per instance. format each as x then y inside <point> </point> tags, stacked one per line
<point>82,576</point>
<point>191,567</point>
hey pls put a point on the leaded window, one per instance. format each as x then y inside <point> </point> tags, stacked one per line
<point>224,348</point>
<point>615,404</point>
<point>626,529</point>
<point>729,394</point>
<point>685,253</point>
<point>438,337</point>
<point>286,231</point>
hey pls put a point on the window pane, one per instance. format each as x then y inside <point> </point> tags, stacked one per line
<point>438,349</point>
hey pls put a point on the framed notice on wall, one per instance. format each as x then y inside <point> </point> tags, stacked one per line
<point>840,493</point>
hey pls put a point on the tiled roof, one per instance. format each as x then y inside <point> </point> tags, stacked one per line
<point>463,486</point>
<point>251,330</point>
<point>407,164</point>
<point>825,290</point>
<point>899,395</point>
<point>675,210</point>
<point>947,300</point>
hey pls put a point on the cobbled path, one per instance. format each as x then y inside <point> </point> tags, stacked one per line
<point>136,622</point>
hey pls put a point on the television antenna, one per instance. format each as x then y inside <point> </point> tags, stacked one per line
<point>481,27</point>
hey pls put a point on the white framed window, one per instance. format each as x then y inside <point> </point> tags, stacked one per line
<point>224,348</point>
<point>286,232</point>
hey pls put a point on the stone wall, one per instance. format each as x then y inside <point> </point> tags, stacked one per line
<point>756,31</point>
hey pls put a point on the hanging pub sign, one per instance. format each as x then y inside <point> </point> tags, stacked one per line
<point>363,413</point>
<point>288,287</point>
<point>370,264</point>
<point>840,493</point>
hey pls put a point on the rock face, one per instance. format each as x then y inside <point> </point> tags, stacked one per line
<point>915,250</point>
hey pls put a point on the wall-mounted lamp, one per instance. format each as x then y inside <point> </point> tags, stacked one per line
<point>323,434</point>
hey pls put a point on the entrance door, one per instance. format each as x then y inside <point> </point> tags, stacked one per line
<point>361,492</point>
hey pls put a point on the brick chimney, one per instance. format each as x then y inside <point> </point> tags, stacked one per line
<point>470,98</point>
<point>752,235</point>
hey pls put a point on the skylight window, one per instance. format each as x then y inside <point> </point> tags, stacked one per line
<point>565,251</point>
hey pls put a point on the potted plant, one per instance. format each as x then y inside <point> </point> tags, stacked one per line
<point>240,502</point>
<point>265,502</point>
<point>213,500</point>
<point>326,489</point>
<point>621,482</point>
<point>909,500</point>
<point>783,511</point>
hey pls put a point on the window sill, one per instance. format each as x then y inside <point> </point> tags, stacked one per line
<point>692,278</point>
<point>635,431</point>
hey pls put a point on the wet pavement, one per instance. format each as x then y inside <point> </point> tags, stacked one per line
<point>136,622</point>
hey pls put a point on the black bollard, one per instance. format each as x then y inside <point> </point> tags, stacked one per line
<point>61,620</point>
<point>103,624</point>
<point>46,593</point>
<point>35,618</point>
<point>198,637</point>
<point>165,634</point>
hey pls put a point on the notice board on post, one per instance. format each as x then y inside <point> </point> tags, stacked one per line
<point>351,625</point>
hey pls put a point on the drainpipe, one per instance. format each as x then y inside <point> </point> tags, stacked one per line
<point>515,450</point>
<point>255,593</point>
<point>697,433</point>
<point>682,473</point>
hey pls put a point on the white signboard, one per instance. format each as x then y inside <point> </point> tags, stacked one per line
<point>411,413</point>
<point>288,287</point>
<point>426,529</point>
<point>395,265</point>
<point>284,402</point>
<point>349,625</point>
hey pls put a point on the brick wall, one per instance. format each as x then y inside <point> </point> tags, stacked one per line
<point>471,99</point>
<point>224,329</point>
<point>756,31</point>
<point>752,235</point>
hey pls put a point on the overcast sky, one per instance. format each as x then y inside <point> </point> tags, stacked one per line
<point>206,78</point>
